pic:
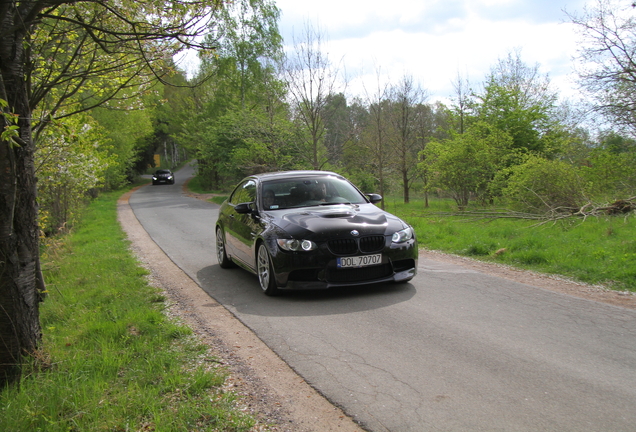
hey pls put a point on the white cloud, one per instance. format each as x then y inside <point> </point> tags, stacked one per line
<point>434,40</point>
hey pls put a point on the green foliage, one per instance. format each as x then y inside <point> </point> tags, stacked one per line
<point>125,131</point>
<point>465,163</point>
<point>610,175</point>
<point>241,143</point>
<point>111,359</point>
<point>171,108</point>
<point>518,100</point>
<point>543,186</point>
<point>93,52</point>
<point>364,180</point>
<point>243,125</point>
<point>72,159</point>
<point>11,128</point>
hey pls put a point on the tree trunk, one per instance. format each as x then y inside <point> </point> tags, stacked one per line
<point>21,283</point>
<point>406,186</point>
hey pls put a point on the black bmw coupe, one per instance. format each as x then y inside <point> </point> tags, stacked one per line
<point>312,230</point>
<point>163,176</point>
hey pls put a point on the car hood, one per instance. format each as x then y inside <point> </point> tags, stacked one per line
<point>337,221</point>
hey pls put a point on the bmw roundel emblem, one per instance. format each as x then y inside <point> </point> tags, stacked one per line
<point>355,233</point>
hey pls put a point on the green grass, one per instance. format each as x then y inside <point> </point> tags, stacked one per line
<point>194,185</point>
<point>110,359</point>
<point>596,251</point>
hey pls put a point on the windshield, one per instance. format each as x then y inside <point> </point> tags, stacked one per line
<point>310,191</point>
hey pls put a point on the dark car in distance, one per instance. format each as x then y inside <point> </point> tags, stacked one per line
<point>312,230</point>
<point>163,176</point>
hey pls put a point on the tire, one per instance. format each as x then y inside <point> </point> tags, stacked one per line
<point>265,271</point>
<point>221,255</point>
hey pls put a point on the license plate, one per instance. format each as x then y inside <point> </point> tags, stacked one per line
<point>359,261</point>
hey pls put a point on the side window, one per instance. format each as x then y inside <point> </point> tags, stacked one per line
<point>244,192</point>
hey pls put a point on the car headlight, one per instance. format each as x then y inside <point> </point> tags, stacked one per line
<point>154,178</point>
<point>402,235</point>
<point>293,245</point>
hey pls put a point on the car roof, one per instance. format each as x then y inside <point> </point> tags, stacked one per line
<point>292,174</point>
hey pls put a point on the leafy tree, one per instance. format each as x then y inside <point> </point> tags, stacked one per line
<point>170,107</point>
<point>54,53</point>
<point>462,103</point>
<point>465,164</point>
<point>617,144</point>
<point>435,123</point>
<point>244,142</point>
<point>374,136</point>
<point>356,154</point>
<point>244,88</point>
<point>248,40</point>
<point>517,99</point>
<point>609,175</point>
<point>144,157</point>
<point>124,130</point>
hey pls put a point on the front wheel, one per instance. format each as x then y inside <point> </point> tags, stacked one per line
<point>265,271</point>
<point>221,255</point>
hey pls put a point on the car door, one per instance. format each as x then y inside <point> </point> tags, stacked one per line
<point>240,227</point>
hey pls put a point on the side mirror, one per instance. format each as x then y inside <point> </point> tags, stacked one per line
<point>374,198</point>
<point>243,208</point>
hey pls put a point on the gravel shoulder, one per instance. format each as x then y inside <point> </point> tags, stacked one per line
<point>270,390</point>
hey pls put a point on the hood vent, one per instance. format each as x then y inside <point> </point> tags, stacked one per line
<point>337,215</point>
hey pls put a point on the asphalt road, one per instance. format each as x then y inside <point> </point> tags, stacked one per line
<point>455,350</point>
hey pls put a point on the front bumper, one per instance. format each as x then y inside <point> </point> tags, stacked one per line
<point>162,180</point>
<point>318,269</point>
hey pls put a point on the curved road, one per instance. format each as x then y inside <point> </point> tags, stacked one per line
<point>455,350</point>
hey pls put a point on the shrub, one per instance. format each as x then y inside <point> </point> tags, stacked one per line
<point>543,186</point>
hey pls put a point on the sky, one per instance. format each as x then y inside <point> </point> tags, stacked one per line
<point>435,40</point>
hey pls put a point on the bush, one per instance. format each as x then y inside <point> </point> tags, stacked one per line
<point>544,186</point>
<point>611,175</point>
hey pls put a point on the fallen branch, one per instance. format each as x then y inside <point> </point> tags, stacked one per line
<point>618,207</point>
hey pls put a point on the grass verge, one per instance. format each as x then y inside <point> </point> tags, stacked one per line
<point>596,251</point>
<point>111,359</point>
<point>194,185</point>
